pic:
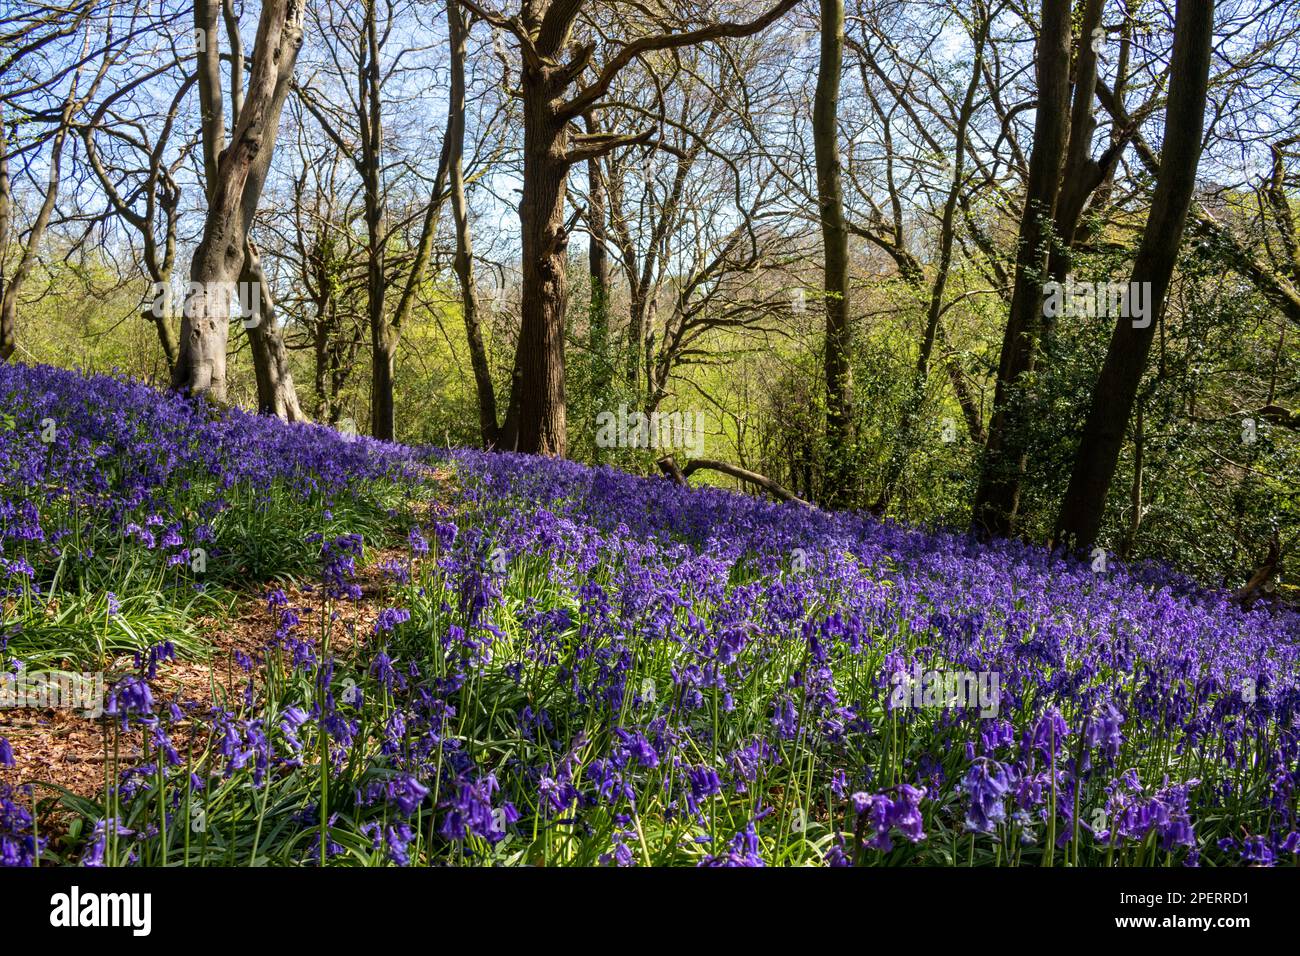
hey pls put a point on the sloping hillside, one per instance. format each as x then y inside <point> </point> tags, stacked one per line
<point>469,657</point>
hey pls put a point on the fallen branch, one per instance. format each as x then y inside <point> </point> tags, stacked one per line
<point>679,475</point>
<point>669,467</point>
<point>1248,593</point>
<point>1277,415</point>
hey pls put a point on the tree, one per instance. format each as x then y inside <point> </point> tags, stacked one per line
<point>1081,175</point>
<point>235,176</point>
<point>325,254</point>
<point>647,223</point>
<point>11,284</point>
<point>134,166</point>
<point>727,279</point>
<point>464,260</point>
<point>1084,504</point>
<point>695,218</point>
<point>358,43</point>
<point>835,253</point>
<point>598,272</point>
<point>997,498</point>
<point>552,145</point>
<point>45,28</point>
<point>937,288</point>
<point>914,126</point>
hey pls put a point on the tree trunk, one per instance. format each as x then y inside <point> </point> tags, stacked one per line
<point>8,314</point>
<point>321,351</point>
<point>970,410</point>
<point>11,285</point>
<point>464,261</point>
<point>636,336</point>
<point>159,316</point>
<point>598,274</point>
<point>537,402</point>
<point>997,499</point>
<point>510,427</point>
<point>1135,489</point>
<point>383,368</point>
<point>544,293</point>
<point>276,394</point>
<point>383,337</point>
<point>1112,399</point>
<point>1275,192</point>
<point>211,109</point>
<point>1081,174</point>
<point>835,251</point>
<point>220,257</point>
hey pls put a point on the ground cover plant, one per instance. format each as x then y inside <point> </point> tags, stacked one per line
<point>575,666</point>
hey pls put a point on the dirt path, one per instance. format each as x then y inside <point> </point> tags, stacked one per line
<point>63,747</point>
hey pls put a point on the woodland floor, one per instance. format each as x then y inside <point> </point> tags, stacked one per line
<point>67,749</point>
<point>61,748</point>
